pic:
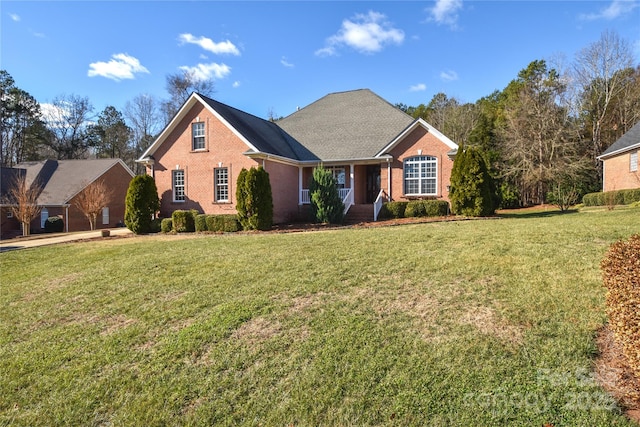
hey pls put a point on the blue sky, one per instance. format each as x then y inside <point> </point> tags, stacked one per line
<point>275,56</point>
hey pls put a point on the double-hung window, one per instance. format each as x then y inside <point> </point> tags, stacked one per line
<point>420,176</point>
<point>197,131</point>
<point>633,161</point>
<point>177,181</point>
<point>221,185</point>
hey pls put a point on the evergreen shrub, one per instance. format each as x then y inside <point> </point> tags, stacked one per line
<point>621,277</point>
<point>392,210</point>
<point>473,191</point>
<point>415,209</point>
<point>201,223</point>
<point>223,223</point>
<point>141,204</point>
<point>326,204</point>
<point>54,224</point>
<point>183,221</point>
<point>166,225</point>
<point>254,200</point>
<point>155,226</point>
<point>615,197</point>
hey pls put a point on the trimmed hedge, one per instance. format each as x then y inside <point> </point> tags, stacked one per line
<point>166,225</point>
<point>223,223</point>
<point>621,277</point>
<point>201,223</point>
<point>618,197</point>
<point>155,226</point>
<point>183,221</point>
<point>414,208</point>
<point>54,224</point>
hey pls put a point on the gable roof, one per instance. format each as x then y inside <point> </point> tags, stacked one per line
<point>628,141</point>
<point>355,124</point>
<point>260,136</point>
<point>61,180</point>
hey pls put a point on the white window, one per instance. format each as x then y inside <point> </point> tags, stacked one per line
<point>420,176</point>
<point>633,161</point>
<point>197,130</point>
<point>177,179</point>
<point>221,184</point>
<point>105,216</point>
<point>339,175</point>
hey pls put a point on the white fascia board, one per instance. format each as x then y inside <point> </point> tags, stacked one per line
<point>411,128</point>
<point>272,157</point>
<point>620,151</point>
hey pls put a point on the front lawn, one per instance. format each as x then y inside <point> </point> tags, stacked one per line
<point>486,322</point>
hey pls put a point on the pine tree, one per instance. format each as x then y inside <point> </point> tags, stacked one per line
<point>326,205</point>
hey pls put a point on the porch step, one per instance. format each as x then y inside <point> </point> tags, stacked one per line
<point>358,214</point>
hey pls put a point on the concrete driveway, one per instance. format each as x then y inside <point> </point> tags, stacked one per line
<point>51,239</point>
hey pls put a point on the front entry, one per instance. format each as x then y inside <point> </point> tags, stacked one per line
<point>373,183</point>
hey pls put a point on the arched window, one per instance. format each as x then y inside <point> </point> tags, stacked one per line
<point>420,176</point>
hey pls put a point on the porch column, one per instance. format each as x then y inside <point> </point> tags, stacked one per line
<point>389,179</point>
<point>352,180</point>
<point>299,185</point>
<point>66,214</point>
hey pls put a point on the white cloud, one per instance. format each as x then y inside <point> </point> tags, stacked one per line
<point>236,84</point>
<point>449,76</point>
<point>418,88</point>
<point>446,12</point>
<point>286,63</point>
<point>15,17</point>
<point>121,66</point>
<point>616,9</point>
<point>208,71</point>
<point>225,47</point>
<point>366,33</point>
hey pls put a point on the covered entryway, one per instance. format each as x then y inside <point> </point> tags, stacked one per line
<point>373,183</point>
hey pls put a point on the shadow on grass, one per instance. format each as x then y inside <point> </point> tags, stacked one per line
<point>535,213</point>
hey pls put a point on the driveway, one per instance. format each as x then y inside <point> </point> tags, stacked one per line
<point>51,239</point>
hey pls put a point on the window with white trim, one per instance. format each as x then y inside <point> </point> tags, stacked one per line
<point>177,181</point>
<point>339,175</point>
<point>420,176</point>
<point>221,185</point>
<point>633,161</point>
<point>197,131</point>
<point>105,216</point>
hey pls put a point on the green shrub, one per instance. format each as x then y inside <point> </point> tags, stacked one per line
<point>141,204</point>
<point>473,190</point>
<point>166,225</point>
<point>183,221</point>
<point>54,224</point>
<point>422,208</point>
<point>254,200</point>
<point>415,208</point>
<point>156,225</point>
<point>392,210</point>
<point>326,204</point>
<point>223,223</point>
<point>201,223</point>
<point>621,277</point>
<point>610,198</point>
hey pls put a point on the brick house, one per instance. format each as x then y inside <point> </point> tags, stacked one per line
<point>61,182</point>
<point>376,152</point>
<point>620,162</point>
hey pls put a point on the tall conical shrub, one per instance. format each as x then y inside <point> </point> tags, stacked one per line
<point>326,204</point>
<point>141,204</point>
<point>254,200</point>
<point>473,191</point>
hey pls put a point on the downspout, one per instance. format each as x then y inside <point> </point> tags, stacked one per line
<point>389,178</point>
<point>352,183</point>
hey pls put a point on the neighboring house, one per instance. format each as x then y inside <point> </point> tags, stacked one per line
<point>620,162</point>
<point>61,182</point>
<point>375,151</point>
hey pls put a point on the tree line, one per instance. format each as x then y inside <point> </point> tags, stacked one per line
<point>541,134</point>
<point>68,128</point>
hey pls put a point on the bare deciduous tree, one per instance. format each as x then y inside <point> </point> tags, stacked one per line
<point>95,197</point>
<point>143,116</point>
<point>22,199</point>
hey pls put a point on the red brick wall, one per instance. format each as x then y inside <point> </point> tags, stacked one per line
<point>223,149</point>
<point>617,175</point>
<point>419,139</point>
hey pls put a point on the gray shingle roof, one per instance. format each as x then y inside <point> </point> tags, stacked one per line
<point>346,125</point>
<point>63,179</point>
<point>626,141</point>
<point>264,135</point>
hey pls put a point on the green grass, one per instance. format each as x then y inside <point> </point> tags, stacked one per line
<point>488,322</point>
